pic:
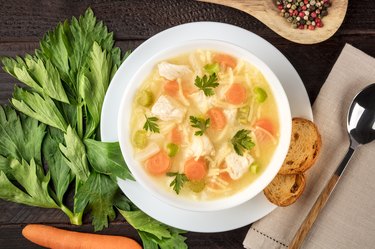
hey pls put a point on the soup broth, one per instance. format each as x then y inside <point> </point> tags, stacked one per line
<point>204,125</point>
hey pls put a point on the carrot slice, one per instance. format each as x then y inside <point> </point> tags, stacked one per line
<point>225,60</point>
<point>159,163</point>
<point>266,124</point>
<point>217,118</point>
<point>236,94</point>
<point>224,175</point>
<point>171,88</point>
<point>195,170</point>
<point>176,136</point>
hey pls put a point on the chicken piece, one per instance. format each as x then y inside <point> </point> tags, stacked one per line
<point>238,165</point>
<point>172,71</point>
<point>201,101</point>
<point>230,114</point>
<point>200,146</point>
<point>165,110</point>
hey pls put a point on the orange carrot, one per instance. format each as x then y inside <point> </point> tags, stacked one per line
<point>236,94</point>
<point>195,170</point>
<point>225,60</point>
<point>159,163</point>
<point>266,124</point>
<point>176,136</point>
<point>224,175</point>
<point>56,238</point>
<point>217,118</point>
<point>171,88</point>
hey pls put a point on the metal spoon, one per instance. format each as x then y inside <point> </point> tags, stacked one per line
<point>361,130</point>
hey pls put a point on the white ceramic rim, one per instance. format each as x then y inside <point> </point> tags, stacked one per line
<point>223,203</point>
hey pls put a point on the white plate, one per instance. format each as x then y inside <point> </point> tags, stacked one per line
<point>217,221</point>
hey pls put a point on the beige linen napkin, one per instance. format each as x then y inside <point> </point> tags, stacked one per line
<point>348,220</point>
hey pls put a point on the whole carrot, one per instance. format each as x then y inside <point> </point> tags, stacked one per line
<point>56,238</point>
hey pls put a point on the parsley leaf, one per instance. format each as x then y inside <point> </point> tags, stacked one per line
<point>206,84</point>
<point>242,141</point>
<point>151,125</point>
<point>178,182</point>
<point>200,123</point>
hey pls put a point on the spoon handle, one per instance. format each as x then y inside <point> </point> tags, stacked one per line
<point>319,204</point>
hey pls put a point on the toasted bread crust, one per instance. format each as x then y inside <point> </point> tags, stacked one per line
<point>284,190</point>
<point>304,147</point>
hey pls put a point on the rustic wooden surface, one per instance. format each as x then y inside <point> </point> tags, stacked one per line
<point>22,24</point>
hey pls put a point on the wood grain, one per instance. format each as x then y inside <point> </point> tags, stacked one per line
<point>23,23</point>
<point>267,12</point>
<point>313,214</point>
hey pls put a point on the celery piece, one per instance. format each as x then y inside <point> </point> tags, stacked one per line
<point>172,149</point>
<point>197,186</point>
<point>145,98</point>
<point>212,68</point>
<point>254,168</point>
<point>260,94</point>
<point>140,139</point>
<point>242,114</point>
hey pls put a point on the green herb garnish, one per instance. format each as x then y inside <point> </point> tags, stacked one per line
<point>200,123</point>
<point>178,182</point>
<point>207,84</point>
<point>242,141</point>
<point>151,125</point>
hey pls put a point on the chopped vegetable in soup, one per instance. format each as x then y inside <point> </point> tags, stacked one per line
<point>204,124</point>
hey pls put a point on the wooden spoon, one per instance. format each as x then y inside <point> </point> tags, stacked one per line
<point>267,12</point>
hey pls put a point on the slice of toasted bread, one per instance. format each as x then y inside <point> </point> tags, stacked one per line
<point>285,189</point>
<point>304,147</point>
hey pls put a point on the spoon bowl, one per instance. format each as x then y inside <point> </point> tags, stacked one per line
<point>361,117</point>
<point>267,12</point>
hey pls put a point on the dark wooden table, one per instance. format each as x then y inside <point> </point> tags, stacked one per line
<point>22,24</point>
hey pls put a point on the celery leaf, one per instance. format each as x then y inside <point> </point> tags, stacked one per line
<point>106,158</point>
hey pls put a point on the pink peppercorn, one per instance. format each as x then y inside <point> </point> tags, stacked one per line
<point>313,15</point>
<point>319,24</point>
<point>280,7</point>
<point>306,1</point>
<point>304,7</point>
<point>301,14</point>
<point>311,27</point>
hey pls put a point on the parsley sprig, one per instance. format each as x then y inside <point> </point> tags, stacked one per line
<point>207,84</point>
<point>151,125</point>
<point>178,182</point>
<point>200,123</point>
<point>242,141</point>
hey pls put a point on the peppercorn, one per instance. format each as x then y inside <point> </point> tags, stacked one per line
<point>304,14</point>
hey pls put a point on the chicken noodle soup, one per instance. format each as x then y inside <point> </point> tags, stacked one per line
<point>204,124</point>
